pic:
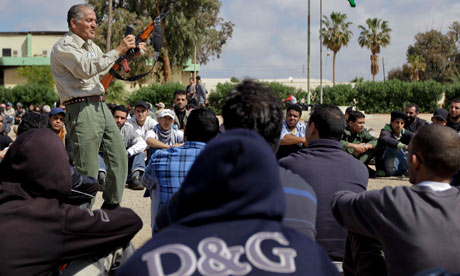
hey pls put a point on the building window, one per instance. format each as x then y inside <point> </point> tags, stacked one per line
<point>6,52</point>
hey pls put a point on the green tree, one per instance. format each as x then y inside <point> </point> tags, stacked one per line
<point>416,64</point>
<point>116,93</point>
<point>437,50</point>
<point>192,23</point>
<point>335,35</point>
<point>37,75</point>
<point>399,73</point>
<point>374,37</point>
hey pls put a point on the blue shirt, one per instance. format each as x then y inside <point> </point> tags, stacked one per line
<point>298,131</point>
<point>167,169</point>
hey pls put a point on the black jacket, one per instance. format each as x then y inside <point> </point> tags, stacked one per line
<point>38,231</point>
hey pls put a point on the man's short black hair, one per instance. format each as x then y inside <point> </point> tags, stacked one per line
<point>355,115</point>
<point>410,105</point>
<point>255,106</point>
<point>457,100</point>
<point>329,121</point>
<point>179,92</point>
<point>121,108</point>
<point>32,120</point>
<point>438,147</point>
<point>295,107</point>
<point>202,125</point>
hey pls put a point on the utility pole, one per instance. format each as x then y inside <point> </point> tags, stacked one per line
<point>308,56</point>
<point>321,51</point>
<point>109,28</point>
<point>194,64</point>
<point>383,69</point>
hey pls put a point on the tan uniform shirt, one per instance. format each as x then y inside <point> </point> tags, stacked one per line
<point>77,66</point>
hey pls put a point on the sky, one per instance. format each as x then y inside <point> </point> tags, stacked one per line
<point>270,36</point>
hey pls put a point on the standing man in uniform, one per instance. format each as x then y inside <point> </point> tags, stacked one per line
<point>77,64</point>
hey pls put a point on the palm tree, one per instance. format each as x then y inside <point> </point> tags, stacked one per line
<point>374,37</point>
<point>416,64</point>
<point>335,35</point>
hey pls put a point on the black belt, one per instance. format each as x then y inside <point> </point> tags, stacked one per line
<point>89,99</point>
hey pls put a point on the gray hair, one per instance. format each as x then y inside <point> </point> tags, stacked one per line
<point>76,12</point>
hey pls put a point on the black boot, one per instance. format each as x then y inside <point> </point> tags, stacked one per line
<point>102,181</point>
<point>108,206</point>
<point>135,183</point>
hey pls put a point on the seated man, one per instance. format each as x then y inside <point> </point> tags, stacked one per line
<point>415,225</point>
<point>134,145</point>
<point>57,124</point>
<point>5,140</point>
<point>440,116</point>
<point>328,169</point>
<point>292,132</point>
<point>227,219</point>
<point>357,141</point>
<point>39,229</point>
<point>413,121</point>
<point>163,135</point>
<point>20,112</point>
<point>391,146</point>
<point>142,123</point>
<point>7,120</point>
<point>454,115</point>
<point>167,169</point>
<point>180,109</point>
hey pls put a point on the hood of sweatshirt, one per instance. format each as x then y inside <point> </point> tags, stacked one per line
<point>38,161</point>
<point>235,176</point>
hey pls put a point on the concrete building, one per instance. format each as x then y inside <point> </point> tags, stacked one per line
<point>24,49</point>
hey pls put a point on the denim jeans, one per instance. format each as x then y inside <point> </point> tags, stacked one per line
<point>395,162</point>
<point>135,163</point>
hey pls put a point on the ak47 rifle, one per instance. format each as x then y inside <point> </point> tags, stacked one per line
<point>122,62</point>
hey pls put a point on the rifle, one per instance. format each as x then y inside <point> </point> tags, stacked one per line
<point>123,61</point>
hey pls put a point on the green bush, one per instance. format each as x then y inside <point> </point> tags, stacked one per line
<point>156,93</point>
<point>216,98</point>
<point>341,94</point>
<point>283,91</point>
<point>116,93</point>
<point>5,94</point>
<point>384,97</point>
<point>452,92</point>
<point>33,94</point>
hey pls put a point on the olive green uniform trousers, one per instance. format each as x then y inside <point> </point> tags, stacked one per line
<point>93,129</point>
